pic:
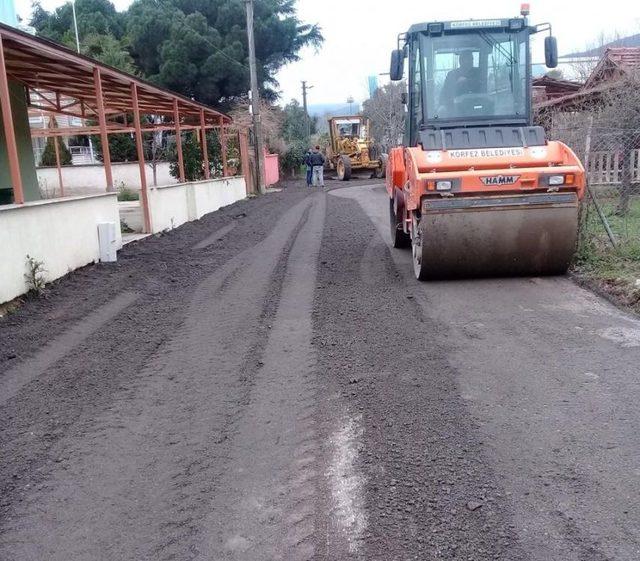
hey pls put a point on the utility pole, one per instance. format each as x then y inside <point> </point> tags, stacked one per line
<point>255,99</point>
<point>304,105</point>
<point>75,24</point>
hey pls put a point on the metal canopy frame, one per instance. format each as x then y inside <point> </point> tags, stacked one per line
<point>59,81</point>
<point>41,64</point>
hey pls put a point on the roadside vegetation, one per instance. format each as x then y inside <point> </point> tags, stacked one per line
<point>604,131</point>
<point>126,193</point>
<point>35,276</point>
<point>612,270</point>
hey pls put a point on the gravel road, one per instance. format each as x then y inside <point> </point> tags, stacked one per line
<point>271,383</point>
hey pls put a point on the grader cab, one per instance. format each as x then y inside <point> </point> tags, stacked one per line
<point>352,149</point>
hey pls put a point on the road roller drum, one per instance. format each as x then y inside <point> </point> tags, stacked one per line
<point>498,236</point>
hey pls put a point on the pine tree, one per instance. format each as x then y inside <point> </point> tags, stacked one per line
<point>49,154</point>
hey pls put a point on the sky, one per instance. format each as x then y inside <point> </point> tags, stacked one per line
<point>360,34</point>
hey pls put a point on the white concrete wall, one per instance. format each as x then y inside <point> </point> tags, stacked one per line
<point>173,205</point>
<point>62,233</point>
<point>80,180</point>
<point>168,206</point>
<point>210,195</point>
<point>131,215</point>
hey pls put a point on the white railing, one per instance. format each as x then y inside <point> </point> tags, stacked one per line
<point>81,155</point>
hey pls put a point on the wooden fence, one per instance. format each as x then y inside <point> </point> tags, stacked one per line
<point>605,168</point>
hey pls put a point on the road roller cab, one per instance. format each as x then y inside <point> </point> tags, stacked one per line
<point>477,189</point>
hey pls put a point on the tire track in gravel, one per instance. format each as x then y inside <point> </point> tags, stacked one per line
<point>98,372</point>
<point>216,236</point>
<point>140,484</point>
<point>15,378</point>
<point>266,510</point>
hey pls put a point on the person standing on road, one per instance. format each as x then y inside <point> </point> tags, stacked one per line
<point>307,163</point>
<point>317,163</point>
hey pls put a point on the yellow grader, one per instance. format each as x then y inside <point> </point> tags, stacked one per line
<point>352,149</point>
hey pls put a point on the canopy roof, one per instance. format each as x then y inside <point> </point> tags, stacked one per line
<point>44,66</point>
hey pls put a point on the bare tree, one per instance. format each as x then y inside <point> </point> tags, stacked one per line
<point>611,119</point>
<point>271,117</point>
<point>156,153</point>
<point>586,62</point>
<point>387,114</point>
<point>153,148</point>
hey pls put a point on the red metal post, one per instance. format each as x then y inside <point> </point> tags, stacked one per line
<point>243,141</point>
<point>140,150</point>
<point>57,151</point>
<point>203,144</point>
<point>102,119</point>
<point>223,148</point>
<point>176,122</point>
<point>9,132</point>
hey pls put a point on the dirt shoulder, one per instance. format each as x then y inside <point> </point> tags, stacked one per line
<point>615,278</point>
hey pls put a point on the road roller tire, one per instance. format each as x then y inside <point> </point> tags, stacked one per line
<point>375,152</point>
<point>399,239</point>
<point>343,168</point>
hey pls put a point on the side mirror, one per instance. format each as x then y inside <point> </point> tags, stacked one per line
<point>403,98</point>
<point>550,51</point>
<point>397,65</point>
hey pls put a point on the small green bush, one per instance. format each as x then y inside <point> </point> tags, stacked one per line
<point>49,154</point>
<point>127,194</point>
<point>293,158</point>
<point>191,156</point>
<point>35,275</point>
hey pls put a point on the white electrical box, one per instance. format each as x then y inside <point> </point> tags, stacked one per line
<point>107,242</point>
